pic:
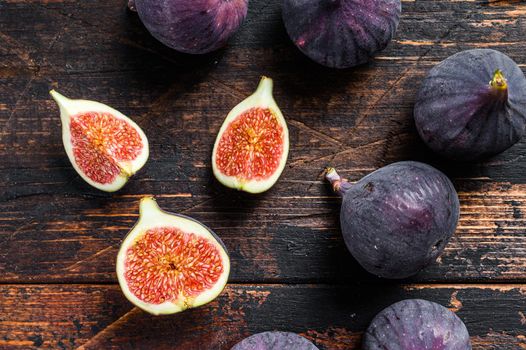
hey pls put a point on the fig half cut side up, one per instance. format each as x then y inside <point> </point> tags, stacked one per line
<point>252,146</point>
<point>104,146</point>
<point>169,262</point>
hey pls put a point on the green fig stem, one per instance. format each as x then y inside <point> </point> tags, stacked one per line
<point>338,184</point>
<point>499,81</point>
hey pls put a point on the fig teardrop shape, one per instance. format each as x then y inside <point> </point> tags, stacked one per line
<point>104,146</point>
<point>472,105</point>
<point>252,146</point>
<point>398,219</point>
<point>169,263</point>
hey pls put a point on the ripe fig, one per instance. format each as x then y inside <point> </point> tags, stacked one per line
<point>398,219</point>
<point>275,341</point>
<point>169,262</point>
<point>191,26</point>
<point>104,146</point>
<point>472,105</point>
<point>341,33</point>
<point>252,146</point>
<point>416,324</point>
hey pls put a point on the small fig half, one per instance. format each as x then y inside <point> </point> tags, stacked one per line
<point>169,262</point>
<point>275,341</point>
<point>398,219</point>
<point>104,146</point>
<point>472,105</point>
<point>416,324</point>
<point>191,26</point>
<point>341,33</point>
<point>252,146</point>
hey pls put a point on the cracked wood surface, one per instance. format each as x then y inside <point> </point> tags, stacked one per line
<point>332,316</point>
<point>56,230</point>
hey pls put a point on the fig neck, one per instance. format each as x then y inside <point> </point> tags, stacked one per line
<point>338,184</point>
<point>65,105</point>
<point>148,207</point>
<point>499,86</point>
<point>264,89</point>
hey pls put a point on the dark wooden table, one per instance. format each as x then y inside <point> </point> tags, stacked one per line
<point>290,268</point>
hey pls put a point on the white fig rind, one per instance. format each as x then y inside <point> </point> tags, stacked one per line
<point>151,216</point>
<point>262,98</point>
<point>69,108</point>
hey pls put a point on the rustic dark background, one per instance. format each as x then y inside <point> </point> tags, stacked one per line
<point>290,269</point>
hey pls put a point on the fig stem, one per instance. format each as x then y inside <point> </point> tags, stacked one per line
<point>338,184</point>
<point>499,81</point>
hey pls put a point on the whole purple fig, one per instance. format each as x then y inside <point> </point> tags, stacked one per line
<point>472,105</point>
<point>275,341</point>
<point>416,324</point>
<point>341,33</point>
<point>398,219</point>
<point>191,26</point>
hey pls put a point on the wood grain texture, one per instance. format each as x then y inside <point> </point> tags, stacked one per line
<point>294,238</point>
<point>333,317</point>
<point>54,227</point>
<point>290,268</point>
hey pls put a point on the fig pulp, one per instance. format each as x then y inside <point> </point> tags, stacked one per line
<point>104,146</point>
<point>398,219</point>
<point>416,324</point>
<point>191,26</point>
<point>341,33</point>
<point>472,105</point>
<point>252,146</point>
<point>275,341</point>
<point>169,263</point>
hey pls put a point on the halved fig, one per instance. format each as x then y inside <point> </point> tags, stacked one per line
<point>169,262</point>
<point>275,341</point>
<point>252,146</point>
<point>104,146</point>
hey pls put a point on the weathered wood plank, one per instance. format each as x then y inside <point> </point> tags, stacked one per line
<point>297,241</point>
<point>334,317</point>
<point>53,227</point>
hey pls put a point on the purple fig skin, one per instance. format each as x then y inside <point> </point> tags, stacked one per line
<point>192,26</point>
<point>341,33</point>
<point>416,324</point>
<point>275,341</point>
<point>461,115</point>
<point>398,219</point>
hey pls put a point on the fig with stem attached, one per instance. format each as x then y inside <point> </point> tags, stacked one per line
<point>169,262</point>
<point>398,219</point>
<point>104,146</point>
